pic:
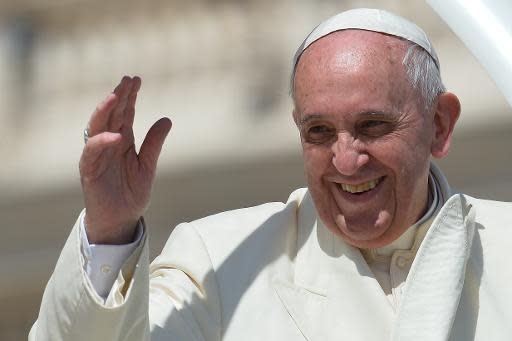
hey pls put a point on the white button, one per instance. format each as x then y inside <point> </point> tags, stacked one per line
<point>401,262</point>
<point>105,268</point>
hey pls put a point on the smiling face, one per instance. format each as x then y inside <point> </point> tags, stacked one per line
<point>366,141</point>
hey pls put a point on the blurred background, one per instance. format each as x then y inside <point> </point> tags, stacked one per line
<point>220,70</point>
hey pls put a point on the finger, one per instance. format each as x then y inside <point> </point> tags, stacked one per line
<point>118,87</point>
<point>129,114</point>
<point>93,150</point>
<point>123,92</point>
<point>137,82</point>
<point>99,119</point>
<point>152,145</point>
<point>101,116</point>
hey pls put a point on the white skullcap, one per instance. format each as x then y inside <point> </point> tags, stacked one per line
<point>367,19</point>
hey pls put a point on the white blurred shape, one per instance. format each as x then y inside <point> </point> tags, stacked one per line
<point>486,29</point>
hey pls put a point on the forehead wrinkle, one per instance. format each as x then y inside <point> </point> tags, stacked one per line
<point>357,47</point>
<point>350,53</point>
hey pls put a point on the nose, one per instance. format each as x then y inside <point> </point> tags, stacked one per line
<point>348,158</point>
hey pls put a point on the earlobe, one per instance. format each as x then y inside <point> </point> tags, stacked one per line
<point>446,115</point>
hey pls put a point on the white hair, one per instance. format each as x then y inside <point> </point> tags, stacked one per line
<point>424,75</point>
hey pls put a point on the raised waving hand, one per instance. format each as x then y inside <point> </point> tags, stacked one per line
<point>116,181</point>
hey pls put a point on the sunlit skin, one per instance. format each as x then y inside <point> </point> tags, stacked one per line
<point>359,121</point>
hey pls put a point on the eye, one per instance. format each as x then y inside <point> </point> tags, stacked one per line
<point>374,128</point>
<point>318,130</point>
<point>319,133</point>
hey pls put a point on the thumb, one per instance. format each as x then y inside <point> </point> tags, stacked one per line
<point>152,145</point>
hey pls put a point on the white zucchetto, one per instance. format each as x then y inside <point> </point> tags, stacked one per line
<point>367,19</point>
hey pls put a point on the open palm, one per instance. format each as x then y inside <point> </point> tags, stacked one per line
<point>116,181</point>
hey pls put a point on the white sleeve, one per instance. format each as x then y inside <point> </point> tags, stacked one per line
<point>103,262</point>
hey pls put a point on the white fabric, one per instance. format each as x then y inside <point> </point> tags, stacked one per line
<point>484,27</point>
<point>103,262</point>
<point>274,272</point>
<point>375,20</point>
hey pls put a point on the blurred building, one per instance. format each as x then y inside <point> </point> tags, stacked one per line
<point>220,70</point>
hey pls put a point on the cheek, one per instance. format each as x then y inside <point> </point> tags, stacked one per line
<point>316,162</point>
<point>410,165</point>
<point>407,160</point>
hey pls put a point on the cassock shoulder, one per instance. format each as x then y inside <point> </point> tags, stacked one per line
<point>495,216</point>
<point>487,268</point>
<point>244,233</point>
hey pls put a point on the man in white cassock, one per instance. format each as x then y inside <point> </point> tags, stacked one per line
<point>378,247</point>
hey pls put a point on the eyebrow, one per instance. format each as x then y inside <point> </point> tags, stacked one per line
<point>310,117</point>
<point>364,113</point>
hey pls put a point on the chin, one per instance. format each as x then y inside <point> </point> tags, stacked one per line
<point>363,235</point>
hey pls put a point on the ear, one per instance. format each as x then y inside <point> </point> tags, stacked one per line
<point>445,116</point>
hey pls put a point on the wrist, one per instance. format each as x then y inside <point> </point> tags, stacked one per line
<point>111,234</point>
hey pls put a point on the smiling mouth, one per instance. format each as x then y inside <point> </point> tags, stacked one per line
<point>361,188</point>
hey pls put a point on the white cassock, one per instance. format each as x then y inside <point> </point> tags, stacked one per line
<point>274,272</point>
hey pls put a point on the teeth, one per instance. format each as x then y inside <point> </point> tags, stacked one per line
<point>361,187</point>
